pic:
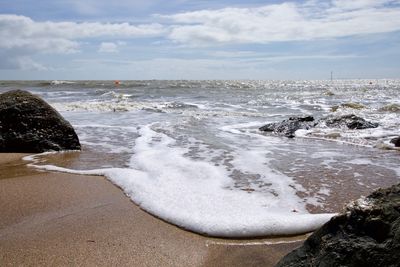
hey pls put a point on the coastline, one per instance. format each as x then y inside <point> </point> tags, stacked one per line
<point>64,219</point>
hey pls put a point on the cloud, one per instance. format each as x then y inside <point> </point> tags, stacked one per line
<point>19,62</point>
<point>108,47</point>
<point>22,26</point>
<point>287,21</point>
<point>252,56</point>
<point>23,37</point>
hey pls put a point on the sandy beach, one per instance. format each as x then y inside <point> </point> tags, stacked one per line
<point>57,219</point>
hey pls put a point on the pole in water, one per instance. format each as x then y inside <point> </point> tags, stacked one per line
<point>331,75</point>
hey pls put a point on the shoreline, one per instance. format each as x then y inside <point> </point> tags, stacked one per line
<point>53,218</point>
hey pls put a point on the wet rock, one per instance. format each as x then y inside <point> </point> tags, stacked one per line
<point>396,141</point>
<point>353,105</point>
<point>350,105</point>
<point>350,121</point>
<point>334,108</point>
<point>28,124</point>
<point>367,234</point>
<point>329,93</point>
<point>289,127</point>
<point>390,108</point>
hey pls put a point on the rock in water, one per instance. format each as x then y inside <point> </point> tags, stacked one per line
<point>391,108</point>
<point>353,105</point>
<point>367,234</point>
<point>350,121</point>
<point>28,124</point>
<point>396,141</point>
<point>289,127</point>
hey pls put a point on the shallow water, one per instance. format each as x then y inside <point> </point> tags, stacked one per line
<point>191,153</point>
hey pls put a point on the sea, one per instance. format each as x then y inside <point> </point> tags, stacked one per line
<point>191,152</point>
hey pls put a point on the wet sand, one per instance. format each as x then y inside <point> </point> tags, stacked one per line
<point>57,219</point>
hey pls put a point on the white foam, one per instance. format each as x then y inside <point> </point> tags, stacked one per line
<point>360,161</point>
<point>56,82</point>
<point>124,104</point>
<point>324,191</point>
<point>196,195</point>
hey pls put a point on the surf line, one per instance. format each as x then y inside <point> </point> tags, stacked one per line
<point>253,243</point>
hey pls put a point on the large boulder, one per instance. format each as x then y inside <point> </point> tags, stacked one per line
<point>28,124</point>
<point>367,234</point>
<point>289,127</point>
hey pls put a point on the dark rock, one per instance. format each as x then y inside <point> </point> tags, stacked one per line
<point>289,127</point>
<point>367,234</point>
<point>28,124</point>
<point>396,141</point>
<point>350,121</point>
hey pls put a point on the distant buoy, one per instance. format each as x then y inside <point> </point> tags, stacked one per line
<point>116,82</point>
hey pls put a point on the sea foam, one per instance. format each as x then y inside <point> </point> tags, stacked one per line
<point>198,196</point>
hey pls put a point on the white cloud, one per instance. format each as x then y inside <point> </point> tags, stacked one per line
<point>27,28</point>
<point>108,47</point>
<point>22,37</point>
<point>285,22</point>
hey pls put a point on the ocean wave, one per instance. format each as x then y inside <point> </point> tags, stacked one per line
<point>198,195</point>
<point>119,103</point>
<point>57,82</point>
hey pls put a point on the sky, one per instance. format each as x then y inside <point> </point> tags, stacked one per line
<point>199,39</point>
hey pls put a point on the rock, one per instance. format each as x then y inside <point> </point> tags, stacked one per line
<point>353,105</point>
<point>329,93</point>
<point>367,234</point>
<point>349,121</point>
<point>334,108</point>
<point>390,108</point>
<point>289,127</point>
<point>396,141</point>
<point>28,124</point>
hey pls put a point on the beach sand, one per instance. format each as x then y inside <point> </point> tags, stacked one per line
<point>57,219</point>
